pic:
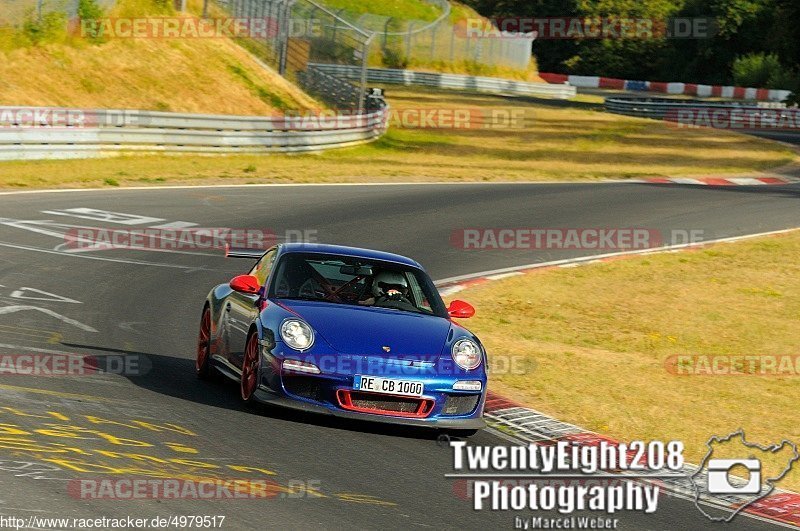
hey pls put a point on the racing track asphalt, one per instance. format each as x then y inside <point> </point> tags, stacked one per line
<point>149,303</point>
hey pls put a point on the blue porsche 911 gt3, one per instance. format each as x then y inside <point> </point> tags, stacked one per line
<point>344,331</point>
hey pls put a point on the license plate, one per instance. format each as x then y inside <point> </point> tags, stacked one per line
<point>388,386</point>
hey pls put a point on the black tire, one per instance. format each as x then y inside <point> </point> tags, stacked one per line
<point>462,434</point>
<point>250,362</point>
<point>202,364</point>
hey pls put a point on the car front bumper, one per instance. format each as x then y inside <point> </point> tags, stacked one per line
<point>476,422</point>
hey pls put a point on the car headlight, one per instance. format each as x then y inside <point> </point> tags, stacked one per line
<point>297,334</point>
<point>467,354</point>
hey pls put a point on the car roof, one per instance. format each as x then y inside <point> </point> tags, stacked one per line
<point>354,252</point>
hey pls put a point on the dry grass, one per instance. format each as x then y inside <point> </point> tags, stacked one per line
<point>181,75</point>
<point>199,75</point>
<point>400,9</point>
<point>600,335</point>
<point>472,68</point>
<point>556,142</point>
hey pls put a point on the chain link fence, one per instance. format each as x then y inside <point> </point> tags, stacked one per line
<point>402,43</point>
<point>13,13</point>
<point>448,43</point>
<point>301,33</point>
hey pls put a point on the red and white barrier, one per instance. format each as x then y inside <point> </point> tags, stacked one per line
<point>690,89</point>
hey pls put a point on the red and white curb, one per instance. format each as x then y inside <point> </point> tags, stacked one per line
<point>691,89</point>
<point>723,181</point>
<point>738,181</point>
<point>532,426</point>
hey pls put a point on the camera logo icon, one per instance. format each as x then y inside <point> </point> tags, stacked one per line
<point>719,477</point>
<point>720,482</point>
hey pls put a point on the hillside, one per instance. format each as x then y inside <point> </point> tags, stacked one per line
<point>404,9</point>
<point>183,75</point>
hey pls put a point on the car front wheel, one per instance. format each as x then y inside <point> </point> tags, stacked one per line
<point>202,362</point>
<point>250,369</point>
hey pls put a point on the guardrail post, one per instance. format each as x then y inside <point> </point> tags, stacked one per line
<point>408,40</point>
<point>386,32</point>
<point>335,25</point>
<point>272,35</point>
<point>283,39</point>
<point>364,61</point>
<point>433,42</point>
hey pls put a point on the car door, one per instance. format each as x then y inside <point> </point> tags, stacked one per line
<point>242,309</point>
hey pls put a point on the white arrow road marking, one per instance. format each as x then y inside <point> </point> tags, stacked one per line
<point>39,350</point>
<point>49,228</point>
<point>104,215</point>
<point>175,225</point>
<point>13,309</point>
<point>40,227</point>
<point>37,227</point>
<point>129,325</point>
<point>51,297</point>
<point>66,249</point>
<point>187,269</point>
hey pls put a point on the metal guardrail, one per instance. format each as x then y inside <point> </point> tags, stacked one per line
<point>454,81</point>
<point>661,108</point>
<point>32,134</point>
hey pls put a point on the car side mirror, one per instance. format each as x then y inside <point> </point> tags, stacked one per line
<point>247,284</point>
<point>460,310</point>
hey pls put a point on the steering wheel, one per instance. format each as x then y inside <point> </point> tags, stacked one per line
<point>385,298</point>
<point>311,289</point>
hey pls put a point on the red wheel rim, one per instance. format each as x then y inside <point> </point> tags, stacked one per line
<point>203,340</point>
<point>250,368</point>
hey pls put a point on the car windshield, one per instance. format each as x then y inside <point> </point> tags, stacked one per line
<point>355,281</point>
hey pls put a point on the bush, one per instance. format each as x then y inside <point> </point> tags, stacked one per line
<point>89,14</point>
<point>766,71</point>
<point>392,57</point>
<point>49,27</point>
<point>756,70</point>
<point>785,79</point>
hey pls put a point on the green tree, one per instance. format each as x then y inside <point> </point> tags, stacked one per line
<point>90,14</point>
<point>48,27</point>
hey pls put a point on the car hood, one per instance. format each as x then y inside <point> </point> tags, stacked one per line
<point>366,331</point>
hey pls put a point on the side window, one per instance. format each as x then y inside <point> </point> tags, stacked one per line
<point>417,293</point>
<point>263,267</point>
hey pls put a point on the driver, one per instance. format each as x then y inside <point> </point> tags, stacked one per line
<point>389,288</point>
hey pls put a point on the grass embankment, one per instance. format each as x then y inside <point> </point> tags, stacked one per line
<point>556,142</point>
<point>602,336</point>
<point>199,75</point>
<point>401,9</point>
